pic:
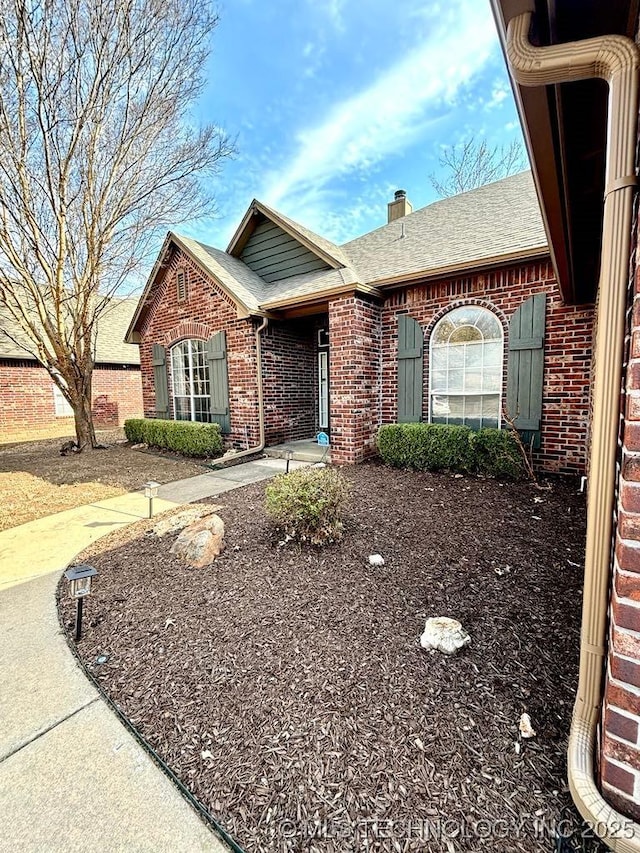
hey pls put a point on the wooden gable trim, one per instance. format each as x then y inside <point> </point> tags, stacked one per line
<point>249,222</point>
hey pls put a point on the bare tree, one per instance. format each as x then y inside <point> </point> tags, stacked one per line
<point>474,164</point>
<point>98,153</point>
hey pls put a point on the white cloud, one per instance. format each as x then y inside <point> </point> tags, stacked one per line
<point>392,112</point>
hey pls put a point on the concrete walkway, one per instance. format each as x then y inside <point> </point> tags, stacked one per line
<point>71,777</point>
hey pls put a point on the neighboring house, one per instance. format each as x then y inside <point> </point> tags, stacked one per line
<point>576,70</point>
<point>447,314</point>
<point>31,403</point>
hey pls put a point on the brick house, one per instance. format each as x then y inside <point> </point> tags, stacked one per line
<point>575,71</point>
<point>31,405</point>
<point>447,314</point>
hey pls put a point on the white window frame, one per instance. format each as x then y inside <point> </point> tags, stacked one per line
<point>191,397</point>
<point>481,309</point>
<point>61,405</point>
<point>323,389</point>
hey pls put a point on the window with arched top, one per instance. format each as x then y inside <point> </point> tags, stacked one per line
<point>465,368</point>
<point>190,379</point>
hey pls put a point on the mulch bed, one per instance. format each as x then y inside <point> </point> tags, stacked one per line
<point>287,688</point>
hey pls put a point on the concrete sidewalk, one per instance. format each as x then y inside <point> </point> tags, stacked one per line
<point>71,777</point>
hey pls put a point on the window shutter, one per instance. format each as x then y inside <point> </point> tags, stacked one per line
<point>410,345</point>
<point>218,381</point>
<point>159,357</point>
<point>526,367</point>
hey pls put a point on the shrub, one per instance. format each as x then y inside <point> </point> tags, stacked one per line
<point>433,447</point>
<point>497,454</point>
<point>307,504</point>
<point>186,437</point>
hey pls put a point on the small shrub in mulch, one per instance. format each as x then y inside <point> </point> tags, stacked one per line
<point>437,447</point>
<point>187,437</point>
<point>307,504</point>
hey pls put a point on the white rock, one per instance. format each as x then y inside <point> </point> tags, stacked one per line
<point>201,542</point>
<point>376,560</point>
<point>444,634</point>
<point>319,465</point>
<point>180,520</point>
<point>228,453</point>
<point>526,729</point>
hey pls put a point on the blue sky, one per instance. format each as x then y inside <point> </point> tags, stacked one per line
<point>336,104</point>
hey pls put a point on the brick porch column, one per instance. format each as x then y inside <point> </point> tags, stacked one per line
<point>354,377</point>
<point>620,764</point>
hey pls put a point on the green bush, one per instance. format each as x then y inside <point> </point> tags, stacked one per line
<point>497,454</point>
<point>186,437</point>
<point>434,447</point>
<point>307,504</point>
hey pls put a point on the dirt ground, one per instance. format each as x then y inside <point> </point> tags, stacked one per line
<point>287,688</point>
<point>36,481</point>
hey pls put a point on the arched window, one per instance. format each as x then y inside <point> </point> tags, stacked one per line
<point>190,379</point>
<point>465,368</point>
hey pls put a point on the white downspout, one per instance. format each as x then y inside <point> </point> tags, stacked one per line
<point>251,451</point>
<point>616,60</point>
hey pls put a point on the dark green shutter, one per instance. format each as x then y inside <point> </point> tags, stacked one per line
<point>159,357</point>
<point>219,384</point>
<point>410,343</point>
<point>526,368</point>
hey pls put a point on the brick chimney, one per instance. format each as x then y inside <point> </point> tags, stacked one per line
<point>400,206</point>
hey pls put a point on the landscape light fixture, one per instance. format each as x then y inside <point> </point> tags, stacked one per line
<point>151,492</point>
<point>288,456</point>
<point>79,578</point>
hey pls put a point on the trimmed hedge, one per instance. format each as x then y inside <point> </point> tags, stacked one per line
<point>307,504</point>
<point>434,447</point>
<point>186,437</point>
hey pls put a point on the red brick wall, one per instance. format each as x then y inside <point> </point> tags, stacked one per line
<point>354,377</point>
<point>567,362</point>
<point>620,753</point>
<point>27,401</point>
<point>205,310</point>
<point>289,380</point>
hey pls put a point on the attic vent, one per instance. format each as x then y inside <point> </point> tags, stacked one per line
<point>181,286</point>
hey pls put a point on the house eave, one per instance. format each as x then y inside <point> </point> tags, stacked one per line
<point>320,296</point>
<point>435,273</point>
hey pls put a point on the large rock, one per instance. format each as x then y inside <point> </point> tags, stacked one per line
<point>180,520</point>
<point>201,542</point>
<point>444,634</point>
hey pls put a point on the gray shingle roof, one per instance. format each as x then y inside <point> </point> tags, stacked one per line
<point>110,346</point>
<point>496,222</point>
<point>499,219</point>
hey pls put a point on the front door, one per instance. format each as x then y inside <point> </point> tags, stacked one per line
<point>323,380</point>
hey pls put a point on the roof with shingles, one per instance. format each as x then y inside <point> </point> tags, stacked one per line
<point>111,348</point>
<point>497,220</point>
<point>489,225</point>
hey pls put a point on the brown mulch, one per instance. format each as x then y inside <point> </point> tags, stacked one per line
<point>36,481</point>
<point>286,687</point>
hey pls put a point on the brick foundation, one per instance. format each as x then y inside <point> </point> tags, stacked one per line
<point>28,406</point>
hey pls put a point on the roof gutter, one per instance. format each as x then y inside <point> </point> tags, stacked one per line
<point>616,60</point>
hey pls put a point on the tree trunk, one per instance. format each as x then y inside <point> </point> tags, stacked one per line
<point>85,432</point>
<point>80,393</point>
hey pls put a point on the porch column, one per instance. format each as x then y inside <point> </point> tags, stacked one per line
<point>354,377</point>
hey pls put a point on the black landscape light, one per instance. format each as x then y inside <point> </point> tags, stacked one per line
<point>288,456</point>
<point>79,578</point>
<point>151,492</point>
